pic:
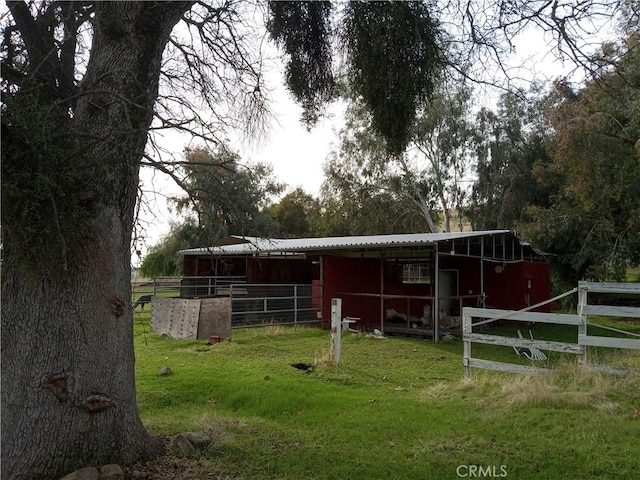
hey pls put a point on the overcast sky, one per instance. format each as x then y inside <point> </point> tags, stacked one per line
<point>297,155</point>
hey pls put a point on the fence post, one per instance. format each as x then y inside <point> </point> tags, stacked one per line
<point>466,344</point>
<point>336,328</point>
<point>295,306</point>
<point>582,328</point>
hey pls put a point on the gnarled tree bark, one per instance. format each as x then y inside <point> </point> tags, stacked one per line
<point>68,386</point>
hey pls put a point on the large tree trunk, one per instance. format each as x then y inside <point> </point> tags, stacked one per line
<point>68,385</point>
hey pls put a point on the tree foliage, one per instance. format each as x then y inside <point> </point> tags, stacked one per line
<point>392,55</point>
<point>425,179</point>
<point>298,215</point>
<point>510,145</point>
<point>223,196</point>
<point>592,224</point>
<point>395,56</point>
<point>226,196</point>
<point>304,31</point>
<point>162,259</point>
<point>363,192</point>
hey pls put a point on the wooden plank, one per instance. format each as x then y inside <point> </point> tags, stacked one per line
<point>507,367</point>
<point>610,287</point>
<point>608,369</point>
<point>537,317</point>
<point>611,342</point>
<point>524,342</point>
<point>611,311</point>
<point>215,318</point>
<point>176,317</point>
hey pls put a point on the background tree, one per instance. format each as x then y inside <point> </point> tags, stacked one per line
<point>162,258</point>
<point>297,213</point>
<point>510,145</point>
<point>425,179</point>
<point>226,196</point>
<point>439,157</point>
<point>363,193</point>
<point>222,197</point>
<point>592,223</point>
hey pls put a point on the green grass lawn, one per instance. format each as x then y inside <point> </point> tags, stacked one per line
<point>392,409</point>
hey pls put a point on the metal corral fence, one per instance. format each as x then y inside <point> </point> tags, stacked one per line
<point>581,320</point>
<point>252,305</point>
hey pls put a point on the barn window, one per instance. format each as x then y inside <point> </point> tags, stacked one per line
<point>416,273</point>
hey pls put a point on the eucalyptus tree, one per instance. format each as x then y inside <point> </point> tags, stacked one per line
<point>426,179</point>
<point>510,146</point>
<point>221,196</point>
<point>297,214</point>
<point>591,224</point>
<point>225,195</point>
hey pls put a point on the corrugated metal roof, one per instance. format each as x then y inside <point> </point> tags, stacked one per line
<point>273,245</point>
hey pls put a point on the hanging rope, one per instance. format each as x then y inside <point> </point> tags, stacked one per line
<point>614,329</point>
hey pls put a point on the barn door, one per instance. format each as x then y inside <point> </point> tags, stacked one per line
<point>448,287</point>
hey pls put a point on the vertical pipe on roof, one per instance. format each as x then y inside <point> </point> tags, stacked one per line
<point>382,293</point>
<point>482,295</point>
<point>436,300</point>
<point>504,247</point>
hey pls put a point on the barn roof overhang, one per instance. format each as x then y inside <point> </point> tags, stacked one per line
<point>374,245</point>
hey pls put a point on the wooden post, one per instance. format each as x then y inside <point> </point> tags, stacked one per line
<point>582,328</point>
<point>336,329</point>
<point>466,356</point>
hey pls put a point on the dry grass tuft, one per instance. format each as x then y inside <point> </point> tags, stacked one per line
<point>322,358</point>
<point>570,385</point>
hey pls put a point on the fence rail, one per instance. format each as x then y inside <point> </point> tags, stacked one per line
<point>580,320</point>
<point>252,305</point>
<point>275,304</point>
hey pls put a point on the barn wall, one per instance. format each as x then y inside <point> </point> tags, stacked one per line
<point>540,283</point>
<point>189,266</point>
<point>505,289</point>
<point>352,275</point>
<point>469,281</point>
<point>509,289</point>
<point>394,286</point>
<point>203,266</point>
<point>279,270</point>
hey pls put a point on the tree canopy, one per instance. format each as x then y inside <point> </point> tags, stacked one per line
<point>592,222</point>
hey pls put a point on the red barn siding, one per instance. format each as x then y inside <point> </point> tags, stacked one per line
<point>540,283</point>
<point>394,286</point>
<point>468,273</point>
<point>509,289</point>
<point>277,270</point>
<point>352,275</point>
<point>505,288</point>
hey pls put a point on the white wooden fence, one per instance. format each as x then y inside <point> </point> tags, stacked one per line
<point>581,320</point>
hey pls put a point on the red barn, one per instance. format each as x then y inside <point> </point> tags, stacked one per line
<point>401,284</point>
